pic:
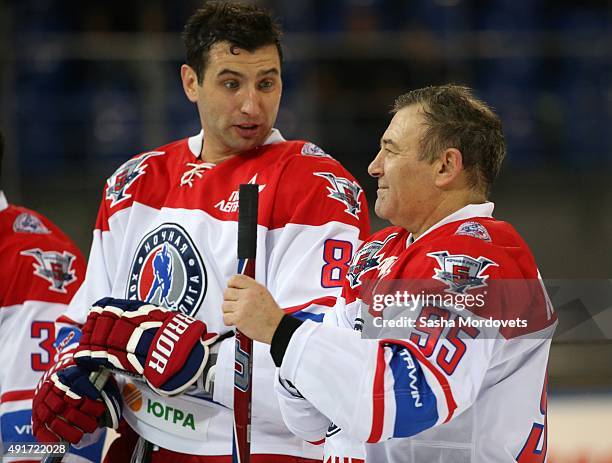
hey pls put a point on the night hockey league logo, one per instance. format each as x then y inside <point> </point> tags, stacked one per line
<point>122,179</point>
<point>53,266</point>
<point>167,270</point>
<point>473,229</point>
<point>367,258</point>
<point>310,149</point>
<point>29,223</point>
<point>343,190</point>
<point>459,272</point>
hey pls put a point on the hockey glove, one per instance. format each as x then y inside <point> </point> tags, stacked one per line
<point>169,349</point>
<point>67,405</point>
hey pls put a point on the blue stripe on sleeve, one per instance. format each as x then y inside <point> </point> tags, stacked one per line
<point>416,404</point>
<point>315,317</point>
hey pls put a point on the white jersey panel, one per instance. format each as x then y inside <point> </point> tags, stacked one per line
<point>296,260</point>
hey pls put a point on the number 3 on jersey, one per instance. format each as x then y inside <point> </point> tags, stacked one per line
<point>46,332</point>
<point>336,255</point>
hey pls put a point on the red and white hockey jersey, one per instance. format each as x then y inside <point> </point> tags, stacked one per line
<point>465,381</point>
<point>166,233</point>
<point>40,272</point>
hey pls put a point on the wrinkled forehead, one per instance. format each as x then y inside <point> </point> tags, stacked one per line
<point>406,126</point>
<point>223,55</point>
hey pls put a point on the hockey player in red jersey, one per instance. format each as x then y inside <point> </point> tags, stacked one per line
<point>166,236</point>
<point>460,382</point>
<point>41,271</point>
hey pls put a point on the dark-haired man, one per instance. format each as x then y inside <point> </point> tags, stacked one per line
<point>463,377</point>
<point>166,235</point>
<point>41,271</point>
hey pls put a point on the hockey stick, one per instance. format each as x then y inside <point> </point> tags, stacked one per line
<point>98,379</point>
<point>248,199</point>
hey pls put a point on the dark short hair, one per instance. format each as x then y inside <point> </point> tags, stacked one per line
<point>456,119</point>
<point>243,26</point>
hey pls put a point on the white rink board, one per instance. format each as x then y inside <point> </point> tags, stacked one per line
<point>580,429</point>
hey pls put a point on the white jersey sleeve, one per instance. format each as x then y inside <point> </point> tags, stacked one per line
<point>300,416</point>
<point>305,420</point>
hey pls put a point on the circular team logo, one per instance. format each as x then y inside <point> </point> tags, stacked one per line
<point>168,271</point>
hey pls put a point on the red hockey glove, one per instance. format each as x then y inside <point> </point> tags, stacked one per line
<point>169,349</point>
<point>67,405</point>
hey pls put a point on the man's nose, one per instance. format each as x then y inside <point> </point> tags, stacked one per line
<point>251,102</point>
<point>375,169</point>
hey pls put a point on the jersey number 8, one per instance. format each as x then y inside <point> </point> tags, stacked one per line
<point>336,255</point>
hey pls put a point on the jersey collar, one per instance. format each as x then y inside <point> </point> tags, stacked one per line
<point>467,212</point>
<point>195,142</point>
<point>3,201</point>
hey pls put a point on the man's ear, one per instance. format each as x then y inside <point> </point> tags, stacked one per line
<point>190,83</point>
<point>449,167</point>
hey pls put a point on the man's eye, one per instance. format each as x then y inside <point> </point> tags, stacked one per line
<point>266,84</point>
<point>231,84</point>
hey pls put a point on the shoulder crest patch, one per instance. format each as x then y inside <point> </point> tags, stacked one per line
<point>124,177</point>
<point>53,266</point>
<point>310,149</point>
<point>473,229</point>
<point>29,223</point>
<point>343,190</point>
